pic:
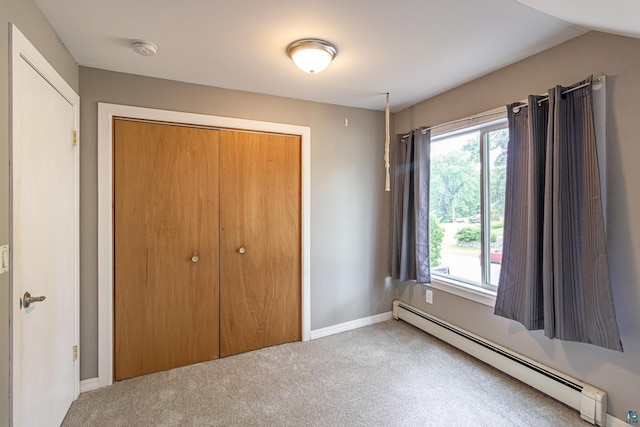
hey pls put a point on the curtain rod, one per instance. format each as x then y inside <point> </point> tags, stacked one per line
<point>502,111</point>
<point>517,108</point>
<point>478,116</point>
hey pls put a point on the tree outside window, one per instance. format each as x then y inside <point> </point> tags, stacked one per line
<point>467,189</point>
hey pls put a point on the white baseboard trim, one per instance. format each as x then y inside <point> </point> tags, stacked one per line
<point>615,422</point>
<point>347,326</point>
<point>89,384</point>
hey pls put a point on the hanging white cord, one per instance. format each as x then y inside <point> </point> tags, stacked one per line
<point>387,182</point>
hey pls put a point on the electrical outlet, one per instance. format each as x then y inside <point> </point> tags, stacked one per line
<point>4,259</point>
<point>429,296</point>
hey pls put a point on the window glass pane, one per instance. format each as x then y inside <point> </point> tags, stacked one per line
<point>455,207</point>
<point>497,145</point>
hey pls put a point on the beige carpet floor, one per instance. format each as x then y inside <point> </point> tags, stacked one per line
<point>388,374</point>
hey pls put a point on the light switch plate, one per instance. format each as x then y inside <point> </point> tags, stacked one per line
<point>4,259</point>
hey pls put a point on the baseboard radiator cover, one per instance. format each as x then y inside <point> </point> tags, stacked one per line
<point>589,400</point>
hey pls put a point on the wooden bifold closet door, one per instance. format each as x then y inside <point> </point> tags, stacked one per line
<point>207,244</point>
<point>166,213</point>
<point>260,245</point>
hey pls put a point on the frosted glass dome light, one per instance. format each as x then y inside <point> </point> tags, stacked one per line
<point>311,55</point>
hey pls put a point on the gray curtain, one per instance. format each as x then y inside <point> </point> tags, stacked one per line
<point>555,274</point>
<point>410,216</point>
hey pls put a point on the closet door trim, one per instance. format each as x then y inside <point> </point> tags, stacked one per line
<point>106,114</point>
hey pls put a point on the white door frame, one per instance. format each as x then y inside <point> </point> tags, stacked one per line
<point>23,50</point>
<point>106,113</point>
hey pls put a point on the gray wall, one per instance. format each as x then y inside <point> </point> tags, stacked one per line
<point>27,17</point>
<point>349,208</point>
<point>593,53</point>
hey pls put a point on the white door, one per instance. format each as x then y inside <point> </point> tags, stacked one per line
<point>44,226</point>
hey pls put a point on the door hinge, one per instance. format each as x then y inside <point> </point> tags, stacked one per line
<point>75,353</point>
<point>75,137</point>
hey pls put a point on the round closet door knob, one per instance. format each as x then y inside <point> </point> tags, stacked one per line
<point>242,250</point>
<point>195,258</point>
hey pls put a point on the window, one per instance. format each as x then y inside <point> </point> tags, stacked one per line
<point>467,187</point>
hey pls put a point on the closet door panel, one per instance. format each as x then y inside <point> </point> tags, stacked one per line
<point>166,247</point>
<point>260,244</point>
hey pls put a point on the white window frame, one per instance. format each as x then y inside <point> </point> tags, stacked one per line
<point>484,294</point>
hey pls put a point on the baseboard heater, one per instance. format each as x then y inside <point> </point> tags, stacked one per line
<point>590,401</point>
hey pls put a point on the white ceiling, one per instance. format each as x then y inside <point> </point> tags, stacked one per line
<point>413,49</point>
<point>612,16</point>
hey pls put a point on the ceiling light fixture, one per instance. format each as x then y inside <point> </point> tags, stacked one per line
<point>144,48</point>
<point>311,55</point>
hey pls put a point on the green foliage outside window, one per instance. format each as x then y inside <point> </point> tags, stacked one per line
<point>455,179</point>
<point>436,236</point>
<point>455,184</point>
<point>472,233</point>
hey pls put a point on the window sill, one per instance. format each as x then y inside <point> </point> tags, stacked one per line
<point>479,295</point>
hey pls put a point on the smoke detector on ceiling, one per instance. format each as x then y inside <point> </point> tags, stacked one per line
<point>144,48</point>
